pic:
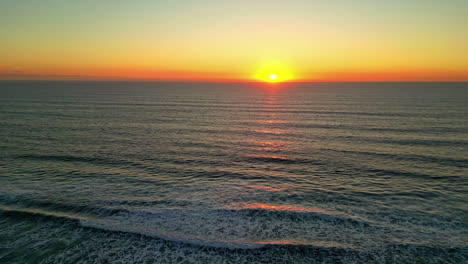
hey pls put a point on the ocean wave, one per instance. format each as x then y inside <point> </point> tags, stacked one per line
<point>279,159</point>
<point>296,213</point>
<point>22,201</point>
<point>417,142</point>
<point>449,161</point>
<point>112,226</point>
<point>89,239</point>
<point>69,158</point>
<point>403,130</point>
<point>37,214</point>
<point>400,173</point>
<point>213,243</point>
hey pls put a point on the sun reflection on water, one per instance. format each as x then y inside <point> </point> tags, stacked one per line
<point>270,207</point>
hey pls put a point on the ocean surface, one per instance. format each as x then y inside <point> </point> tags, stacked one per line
<point>152,172</point>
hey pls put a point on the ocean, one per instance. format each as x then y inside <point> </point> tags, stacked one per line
<point>167,172</point>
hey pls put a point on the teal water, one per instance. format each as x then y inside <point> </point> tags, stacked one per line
<point>133,172</point>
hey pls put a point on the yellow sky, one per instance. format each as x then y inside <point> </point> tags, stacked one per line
<point>226,40</point>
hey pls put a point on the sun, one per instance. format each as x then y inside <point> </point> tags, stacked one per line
<point>273,72</point>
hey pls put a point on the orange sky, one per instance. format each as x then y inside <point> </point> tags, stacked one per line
<point>209,40</point>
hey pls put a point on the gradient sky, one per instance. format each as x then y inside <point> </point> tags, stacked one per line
<point>366,40</point>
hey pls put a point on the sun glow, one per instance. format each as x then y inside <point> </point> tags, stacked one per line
<point>273,72</point>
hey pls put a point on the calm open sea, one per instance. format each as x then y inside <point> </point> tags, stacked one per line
<point>133,172</point>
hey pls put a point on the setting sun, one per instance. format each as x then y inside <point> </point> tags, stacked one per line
<point>273,72</point>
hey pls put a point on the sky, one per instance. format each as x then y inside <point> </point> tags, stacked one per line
<point>242,40</point>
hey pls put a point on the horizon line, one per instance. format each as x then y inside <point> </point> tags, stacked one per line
<point>230,81</point>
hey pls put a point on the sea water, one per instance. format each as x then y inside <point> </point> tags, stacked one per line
<point>160,172</point>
